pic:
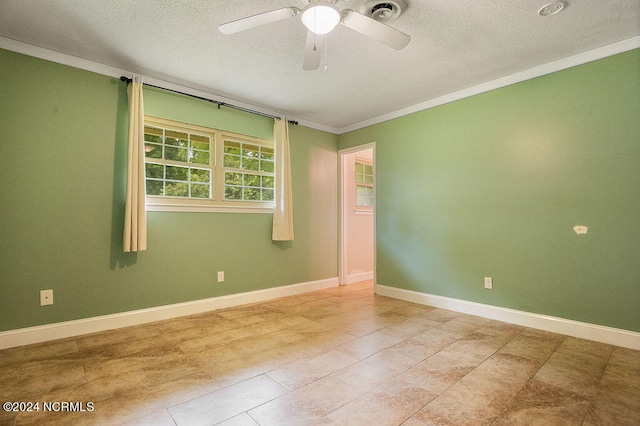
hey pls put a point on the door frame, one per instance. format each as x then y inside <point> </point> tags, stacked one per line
<point>342,257</point>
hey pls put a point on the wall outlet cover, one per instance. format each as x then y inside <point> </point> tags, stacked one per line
<point>46,297</point>
<point>488,282</point>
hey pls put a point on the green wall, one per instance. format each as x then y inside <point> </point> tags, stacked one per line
<point>492,185</point>
<point>63,166</point>
<point>486,186</point>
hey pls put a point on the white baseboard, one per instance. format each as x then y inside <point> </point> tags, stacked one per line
<point>43,333</point>
<point>360,276</point>
<point>598,333</point>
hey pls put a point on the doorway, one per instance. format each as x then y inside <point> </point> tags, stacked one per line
<point>357,214</point>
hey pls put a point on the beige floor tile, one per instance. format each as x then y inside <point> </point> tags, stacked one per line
<point>345,356</point>
<point>38,352</point>
<point>501,329</point>
<point>372,343</point>
<point>120,335</point>
<point>612,413</point>
<point>228,402</point>
<point>241,420</point>
<point>106,366</point>
<point>374,370</point>
<point>484,393</point>
<point>577,365</point>
<point>308,405</point>
<point>307,370</point>
<point>440,315</point>
<point>100,389</point>
<point>364,326</point>
<point>423,345</point>
<point>40,377</point>
<point>542,404</point>
<point>534,345</point>
<point>390,406</point>
<point>159,418</point>
<point>416,325</point>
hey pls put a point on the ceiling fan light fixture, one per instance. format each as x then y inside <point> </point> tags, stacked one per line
<point>320,17</point>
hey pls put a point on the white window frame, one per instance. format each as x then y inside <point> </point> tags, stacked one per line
<point>216,203</point>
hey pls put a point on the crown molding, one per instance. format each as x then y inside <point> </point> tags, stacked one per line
<point>548,68</point>
<point>98,68</point>
<point>551,67</point>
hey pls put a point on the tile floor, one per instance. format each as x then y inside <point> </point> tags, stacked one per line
<point>340,356</point>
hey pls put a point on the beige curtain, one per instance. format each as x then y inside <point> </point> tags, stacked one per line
<point>283,211</point>
<point>135,217</point>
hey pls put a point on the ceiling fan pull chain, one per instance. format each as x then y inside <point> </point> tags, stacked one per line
<point>315,37</point>
<point>326,67</point>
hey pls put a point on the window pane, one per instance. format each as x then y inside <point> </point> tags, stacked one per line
<point>359,178</point>
<point>250,151</point>
<point>252,194</point>
<point>155,187</point>
<point>368,169</point>
<point>152,134</point>
<point>231,147</point>
<point>267,194</point>
<point>233,193</point>
<point>200,191</point>
<point>233,178</point>
<point>359,168</point>
<point>154,171</point>
<point>231,161</point>
<point>175,138</point>
<point>176,154</point>
<point>152,150</point>
<point>368,179</point>
<point>177,189</point>
<point>200,142</point>
<point>251,180</point>
<point>266,166</point>
<point>364,201</point>
<point>361,190</point>
<point>267,181</point>
<point>250,163</point>
<point>200,175</point>
<point>177,173</point>
<point>266,153</point>
<point>199,157</point>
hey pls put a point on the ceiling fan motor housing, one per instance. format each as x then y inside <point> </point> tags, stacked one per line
<point>383,10</point>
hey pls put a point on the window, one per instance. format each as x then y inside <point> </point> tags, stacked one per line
<point>364,185</point>
<point>248,171</point>
<point>178,164</point>
<point>192,168</point>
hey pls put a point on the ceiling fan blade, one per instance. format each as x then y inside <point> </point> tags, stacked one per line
<point>257,20</point>
<point>312,52</point>
<point>374,29</point>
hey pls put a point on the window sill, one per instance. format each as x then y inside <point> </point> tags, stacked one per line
<point>158,206</point>
<point>364,212</point>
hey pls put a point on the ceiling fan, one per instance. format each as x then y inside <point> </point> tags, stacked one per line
<point>322,16</point>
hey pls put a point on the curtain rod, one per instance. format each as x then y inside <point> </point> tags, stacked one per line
<point>220,104</point>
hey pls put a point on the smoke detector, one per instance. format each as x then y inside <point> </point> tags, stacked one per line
<point>383,11</point>
<point>551,8</point>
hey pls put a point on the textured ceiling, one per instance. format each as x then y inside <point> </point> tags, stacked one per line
<point>455,44</point>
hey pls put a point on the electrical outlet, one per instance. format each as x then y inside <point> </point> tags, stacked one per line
<point>46,297</point>
<point>488,283</point>
<point>220,276</point>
